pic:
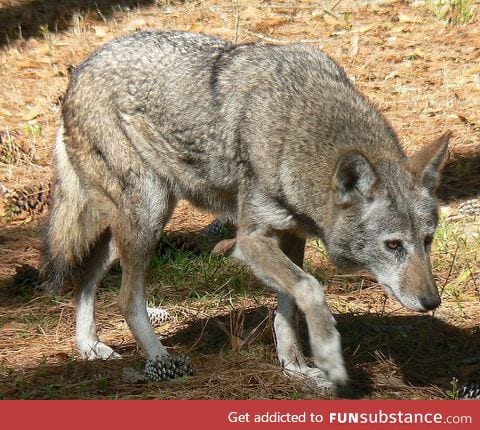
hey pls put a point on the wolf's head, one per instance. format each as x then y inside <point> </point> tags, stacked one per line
<point>384,218</point>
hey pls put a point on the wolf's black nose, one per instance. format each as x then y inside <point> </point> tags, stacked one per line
<point>430,302</point>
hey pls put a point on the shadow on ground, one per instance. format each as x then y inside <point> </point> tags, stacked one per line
<point>387,350</point>
<point>461,179</point>
<point>386,356</point>
<point>33,18</point>
<point>23,284</point>
<point>19,246</point>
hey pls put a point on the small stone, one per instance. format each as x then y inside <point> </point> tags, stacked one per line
<point>132,376</point>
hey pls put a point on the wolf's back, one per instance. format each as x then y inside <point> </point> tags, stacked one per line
<point>135,75</point>
<point>201,114</point>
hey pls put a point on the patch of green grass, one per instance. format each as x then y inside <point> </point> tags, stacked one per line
<point>104,385</point>
<point>412,57</point>
<point>33,129</point>
<point>454,261</point>
<point>50,392</point>
<point>321,267</point>
<point>318,246</point>
<point>25,395</point>
<point>453,392</point>
<point>200,277</point>
<point>41,370</point>
<point>296,395</point>
<point>445,235</point>
<point>453,11</point>
<point>4,371</point>
<point>84,390</point>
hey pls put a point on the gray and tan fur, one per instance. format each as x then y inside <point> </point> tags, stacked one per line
<point>274,138</point>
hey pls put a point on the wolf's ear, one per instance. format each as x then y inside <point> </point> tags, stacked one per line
<point>427,163</point>
<point>354,177</point>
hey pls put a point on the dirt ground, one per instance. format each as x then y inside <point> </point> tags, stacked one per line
<point>420,65</point>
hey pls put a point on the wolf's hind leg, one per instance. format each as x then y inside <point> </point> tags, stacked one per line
<point>136,232</point>
<point>98,263</point>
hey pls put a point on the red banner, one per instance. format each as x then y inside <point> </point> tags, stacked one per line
<point>245,414</point>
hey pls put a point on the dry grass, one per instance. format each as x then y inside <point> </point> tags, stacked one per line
<point>423,72</point>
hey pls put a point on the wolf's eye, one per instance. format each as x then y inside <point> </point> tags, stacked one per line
<point>393,245</point>
<point>428,241</point>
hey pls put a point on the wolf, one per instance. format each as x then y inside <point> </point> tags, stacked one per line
<point>275,139</point>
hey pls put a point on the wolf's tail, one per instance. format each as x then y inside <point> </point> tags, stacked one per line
<point>72,227</point>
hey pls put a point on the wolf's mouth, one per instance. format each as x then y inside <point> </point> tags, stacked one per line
<point>404,301</point>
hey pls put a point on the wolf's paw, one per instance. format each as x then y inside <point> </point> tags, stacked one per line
<point>316,380</point>
<point>224,247</point>
<point>313,379</point>
<point>166,367</point>
<point>97,350</point>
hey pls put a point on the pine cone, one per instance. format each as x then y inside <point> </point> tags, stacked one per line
<point>157,316</point>
<point>29,201</point>
<point>10,151</point>
<point>469,207</point>
<point>469,391</point>
<point>166,367</point>
<point>219,228</point>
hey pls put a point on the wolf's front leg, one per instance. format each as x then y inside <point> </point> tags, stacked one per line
<point>271,265</point>
<point>289,351</point>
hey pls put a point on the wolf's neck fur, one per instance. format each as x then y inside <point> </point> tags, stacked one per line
<point>298,114</point>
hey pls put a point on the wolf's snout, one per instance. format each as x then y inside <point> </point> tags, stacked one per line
<point>430,302</point>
